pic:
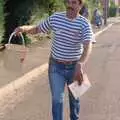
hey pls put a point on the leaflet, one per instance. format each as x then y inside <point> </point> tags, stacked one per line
<point>78,90</point>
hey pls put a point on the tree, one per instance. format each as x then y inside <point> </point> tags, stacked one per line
<point>19,12</point>
<point>15,13</point>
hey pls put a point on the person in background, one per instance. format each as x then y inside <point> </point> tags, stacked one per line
<point>70,50</point>
<point>85,13</point>
<point>97,18</point>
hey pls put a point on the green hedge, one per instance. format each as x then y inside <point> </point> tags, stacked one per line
<point>112,11</point>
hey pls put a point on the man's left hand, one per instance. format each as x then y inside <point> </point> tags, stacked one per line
<point>79,73</point>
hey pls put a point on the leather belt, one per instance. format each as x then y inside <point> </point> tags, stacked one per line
<point>64,62</point>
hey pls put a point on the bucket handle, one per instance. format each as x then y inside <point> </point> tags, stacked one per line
<point>12,34</point>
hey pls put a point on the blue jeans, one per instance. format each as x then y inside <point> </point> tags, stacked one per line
<point>59,75</point>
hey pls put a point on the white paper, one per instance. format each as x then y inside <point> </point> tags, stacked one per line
<point>78,90</point>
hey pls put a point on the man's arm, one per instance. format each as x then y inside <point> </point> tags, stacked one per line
<point>44,27</point>
<point>86,52</point>
<point>79,67</point>
<point>29,29</point>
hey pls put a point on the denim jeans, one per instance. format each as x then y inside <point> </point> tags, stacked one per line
<point>59,75</point>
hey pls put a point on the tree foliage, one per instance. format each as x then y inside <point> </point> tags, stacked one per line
<point>92,4</point>
<point>112,9</point>
<point>19,12</point>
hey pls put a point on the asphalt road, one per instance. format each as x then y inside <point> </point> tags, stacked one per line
<point>101,102</point>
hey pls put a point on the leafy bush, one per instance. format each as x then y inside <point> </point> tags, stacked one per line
<point>112,9</point>
<point>20,12</point>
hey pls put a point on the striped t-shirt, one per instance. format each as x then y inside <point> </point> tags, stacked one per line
<point>68,35</point>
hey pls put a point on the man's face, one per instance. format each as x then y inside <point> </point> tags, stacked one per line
<point>73,5</point>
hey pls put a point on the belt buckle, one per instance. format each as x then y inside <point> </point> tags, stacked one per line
<point>65,62</point>
<point>69,62</point>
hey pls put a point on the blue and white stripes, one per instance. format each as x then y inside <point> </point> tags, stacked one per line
<point>68,35</point>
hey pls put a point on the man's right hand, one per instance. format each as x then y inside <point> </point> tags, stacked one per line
<point>78,73</point>
<point>18,30</point>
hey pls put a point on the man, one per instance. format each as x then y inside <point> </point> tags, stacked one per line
<point>71,47</point>
<point>97,18</point>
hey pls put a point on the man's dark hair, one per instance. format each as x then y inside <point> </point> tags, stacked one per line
<point>82,10</point>
<point>81,1</point>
